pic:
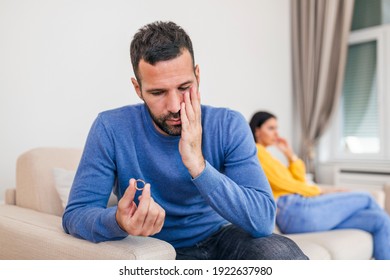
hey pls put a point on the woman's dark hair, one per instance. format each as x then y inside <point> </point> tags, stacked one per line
<point>258,119</point>
<point>159,41</point>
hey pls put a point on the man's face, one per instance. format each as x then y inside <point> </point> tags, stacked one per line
<point>163,88</point>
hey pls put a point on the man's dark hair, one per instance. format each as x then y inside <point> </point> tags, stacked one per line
<point>158,41</point>
<point>258,120</point>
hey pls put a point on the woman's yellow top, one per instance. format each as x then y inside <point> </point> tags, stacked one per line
<point>285,180</point>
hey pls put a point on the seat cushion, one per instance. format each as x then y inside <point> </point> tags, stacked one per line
<point>345,244</point>
<point>28,234</point>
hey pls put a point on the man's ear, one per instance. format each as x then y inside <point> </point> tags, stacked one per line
<point>197,74</point>
<point>137,87</point>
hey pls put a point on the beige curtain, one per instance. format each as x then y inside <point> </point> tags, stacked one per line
<point>320,30</point>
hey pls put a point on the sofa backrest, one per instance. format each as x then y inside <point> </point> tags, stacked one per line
<point>35,188</point>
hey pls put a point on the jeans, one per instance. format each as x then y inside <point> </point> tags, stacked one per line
<point>233,243</point>
<point>352,210</point>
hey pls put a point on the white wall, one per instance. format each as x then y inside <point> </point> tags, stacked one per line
<point>62,62</point>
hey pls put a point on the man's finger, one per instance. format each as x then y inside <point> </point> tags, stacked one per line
<point>143,206</point>
<point>151,218</point>
<point>183,117</point>
<point>195,101</point>
<point>159,221</point>
<point>189,106</point>
<point>126,207</point>
<point>128,196</point>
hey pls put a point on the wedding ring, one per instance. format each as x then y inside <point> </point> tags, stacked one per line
<point>136,184</point>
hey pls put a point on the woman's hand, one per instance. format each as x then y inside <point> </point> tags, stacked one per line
<point>286,149</point>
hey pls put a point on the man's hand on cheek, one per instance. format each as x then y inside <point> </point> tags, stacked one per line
<point>190,145</point>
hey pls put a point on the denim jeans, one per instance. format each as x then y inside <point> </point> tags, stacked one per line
<point>233,243</point>
<point>354,210</point>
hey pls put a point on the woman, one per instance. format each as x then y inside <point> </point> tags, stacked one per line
<point>303,207</point>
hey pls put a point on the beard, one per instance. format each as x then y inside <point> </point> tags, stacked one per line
<point>161,122</point>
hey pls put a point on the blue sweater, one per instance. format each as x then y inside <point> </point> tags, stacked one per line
<point>123,143</point>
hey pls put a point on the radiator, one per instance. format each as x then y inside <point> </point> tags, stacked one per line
<point>360,178</point>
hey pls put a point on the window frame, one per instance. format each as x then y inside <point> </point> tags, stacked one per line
<point>330,148</point>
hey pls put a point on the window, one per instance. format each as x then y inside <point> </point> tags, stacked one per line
<point>358,137</point>
<point>369,13</point>
<point>360,108</point>
<point>360,129</point>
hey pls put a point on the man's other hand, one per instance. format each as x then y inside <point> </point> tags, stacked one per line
<point>190,145</point>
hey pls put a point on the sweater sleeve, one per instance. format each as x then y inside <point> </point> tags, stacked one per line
<point>281,180</point>
<point>240,193</point>
<point>298,170</point>
<point>86,215</point>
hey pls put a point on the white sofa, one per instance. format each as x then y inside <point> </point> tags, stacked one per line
<point>345,244</point>
<point>30,222</point>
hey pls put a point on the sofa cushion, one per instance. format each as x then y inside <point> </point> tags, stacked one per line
<point>342,244</point>
<point>313,250</point>
<point>63,180</point>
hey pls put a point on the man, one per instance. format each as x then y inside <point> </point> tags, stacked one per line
<point>205,191</point>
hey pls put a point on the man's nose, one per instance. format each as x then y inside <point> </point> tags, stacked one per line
<point>175,98</point>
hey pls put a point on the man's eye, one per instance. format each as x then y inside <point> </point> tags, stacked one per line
<point>183,88</point>
<point>156,93</point>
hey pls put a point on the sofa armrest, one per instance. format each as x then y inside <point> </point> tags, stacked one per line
<point>28,234</point>
<point>10,196</point>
